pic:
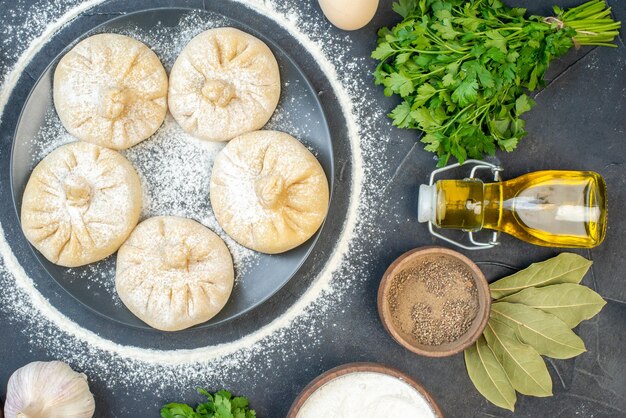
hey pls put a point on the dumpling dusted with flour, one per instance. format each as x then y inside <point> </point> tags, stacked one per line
<point>174,273</point>
<point>268,191</point>
<point>80,204</point>
<point>111,90</point>
<point>223,84</point>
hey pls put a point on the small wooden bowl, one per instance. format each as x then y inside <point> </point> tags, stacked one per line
<point>447,349</point>
<point>349,368</point>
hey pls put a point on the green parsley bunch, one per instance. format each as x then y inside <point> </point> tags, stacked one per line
<point>463,67</point>
<point>219,405</point>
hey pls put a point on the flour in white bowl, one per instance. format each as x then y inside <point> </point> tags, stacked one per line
<point>366,395</point>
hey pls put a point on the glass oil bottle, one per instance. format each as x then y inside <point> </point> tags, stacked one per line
<point>549,208</point>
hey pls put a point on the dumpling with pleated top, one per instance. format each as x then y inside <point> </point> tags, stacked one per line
<point>111,90</point>
<point>173,273</point>
<point>268,191</point>
<point>224,83</point>
<point>80,204</point>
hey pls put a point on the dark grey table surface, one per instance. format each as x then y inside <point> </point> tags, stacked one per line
<point>579,123</point>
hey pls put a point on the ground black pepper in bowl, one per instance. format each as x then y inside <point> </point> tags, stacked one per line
<point>433,300</point>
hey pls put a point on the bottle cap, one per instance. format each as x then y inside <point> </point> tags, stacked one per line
<point>426,204</point>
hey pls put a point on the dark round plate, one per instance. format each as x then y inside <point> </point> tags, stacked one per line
<point>258,281</point>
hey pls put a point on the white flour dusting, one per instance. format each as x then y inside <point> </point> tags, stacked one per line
<point>175,170</point>
<point>129,366</point>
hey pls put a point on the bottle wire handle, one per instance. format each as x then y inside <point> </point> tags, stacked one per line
<point>478,165</point>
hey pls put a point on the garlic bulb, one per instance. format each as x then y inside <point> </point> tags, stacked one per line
<point>48,390</point>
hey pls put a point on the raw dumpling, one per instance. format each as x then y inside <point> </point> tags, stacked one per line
<point>111,90</point>
<point>224,83</point>
<point>80,204</point>
<point>268,192</point>
<point>174,273</point>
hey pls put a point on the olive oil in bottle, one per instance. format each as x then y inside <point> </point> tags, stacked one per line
<point>548,208</point>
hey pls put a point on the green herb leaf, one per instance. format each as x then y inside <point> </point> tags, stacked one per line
<point>399,83</point>
<point>571,303</point>
<point>424,118</point>
<point>466,93</point>
<point>524,367</point>
<point>223,394</point>
<point>219,405</point>
<point>240,402</point>
<point>404,7</point>
<point>424,92</point>
<point>496,40</point>
<point>546,333</point>
<point>205,392</point>
<point>445,29</point>
<point>402,58</point>
<point>508,144</point>
<point>448,80</point>
<point>564,268</point>
<point>383,51</point>
<point>178,410</point>
<point>523,104</point>
<point>485,77</point>
<point>401,115</point>
<point>488,375</point>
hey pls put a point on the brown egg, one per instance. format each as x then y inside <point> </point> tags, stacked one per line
<point>349,14</point>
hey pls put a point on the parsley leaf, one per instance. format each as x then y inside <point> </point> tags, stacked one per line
<point>523,104</point>
<point>399,83</point>
<point>424,118</point>
<point>383,51</point>
<point>404,7</point>
<point>178,410</point>
<point>466,93</point>
<point>496,40</point>
<point>401,115</point>
<point>218,405</point>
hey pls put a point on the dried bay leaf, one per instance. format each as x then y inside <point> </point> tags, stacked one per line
<point>571,303</point>
<point>533,314</point>
<point>564,268</point>
<point>524,367</point>
<point>488,376</point>
<point>544,332</point>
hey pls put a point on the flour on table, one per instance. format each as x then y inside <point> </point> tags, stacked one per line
<point>175,170</point>
<point>123,366</point>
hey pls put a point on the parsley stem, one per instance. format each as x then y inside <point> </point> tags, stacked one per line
<point>587,9</point>
<point>438,70</point>
<point>580,23</point>
<point>441,42</point>
<point>421,51</point>
<point>610,45</point>
<point>515,28</point>
<point>447,125</point>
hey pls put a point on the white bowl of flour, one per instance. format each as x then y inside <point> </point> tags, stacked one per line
<point>364,390</point>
